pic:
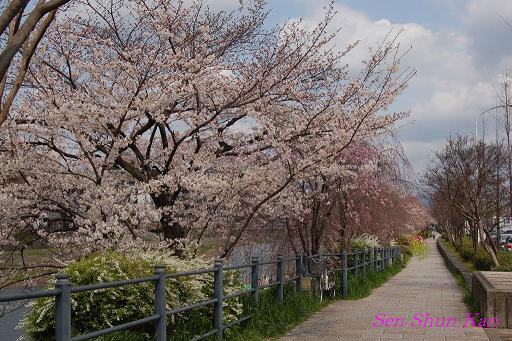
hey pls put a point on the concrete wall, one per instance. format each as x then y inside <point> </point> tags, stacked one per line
<point>454,264</point>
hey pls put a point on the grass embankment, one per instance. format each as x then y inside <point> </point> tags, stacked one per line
<point>362,286</point>
<point>469,265</point>
<point>271,321</point>
<point>16,268</point>
<point>468,299</point>
<point>479,260</point>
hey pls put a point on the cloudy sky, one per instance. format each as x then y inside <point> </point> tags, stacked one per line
<point>460,49</point>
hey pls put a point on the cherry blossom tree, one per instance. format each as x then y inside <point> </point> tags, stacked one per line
<point>364,198</point>
<point>161,122</point>
<point>21,30</point>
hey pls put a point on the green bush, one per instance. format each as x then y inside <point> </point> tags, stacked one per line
<point>505,260</point>
<point>482,259</point>
<point>418,247</point>
<point>412,245</point>
<point>466,249</point>
<point>125,336</point>
<point>406,250</point>
<point>365,241</point>
<point>426,233</point>
<point>100,309</point>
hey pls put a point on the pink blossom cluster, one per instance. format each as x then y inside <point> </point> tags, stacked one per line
<point>166,123</point>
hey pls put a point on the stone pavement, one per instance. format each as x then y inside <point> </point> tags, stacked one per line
<point>423,287</point>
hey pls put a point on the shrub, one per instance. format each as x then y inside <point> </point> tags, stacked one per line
<point>482,259</point>
<point>466,249</point>
<point>125,336</point>
<point>403,239</point>
<point>418,247</point>
<point>404,242</point>
<point>505,260</point>
<point>426,233</point>
<point>406,250</point>
<point>100,309</point>
<point>504,268</point>
<point>365,241</point>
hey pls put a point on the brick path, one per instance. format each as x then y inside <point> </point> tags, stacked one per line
<point>423,287</point>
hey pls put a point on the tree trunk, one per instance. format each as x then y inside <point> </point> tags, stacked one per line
<point>451,235</point>
<point>171,230</point>
<point>486,246</point>
<point>474,237</point>
<point>316,227</point>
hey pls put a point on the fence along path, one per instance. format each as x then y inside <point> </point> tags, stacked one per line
<point>286,271</point>
<point>422,287</point>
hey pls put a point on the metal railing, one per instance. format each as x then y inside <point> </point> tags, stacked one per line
<point>361,261</point>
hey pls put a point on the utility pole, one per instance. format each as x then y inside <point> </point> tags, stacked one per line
<point>498,185</point>
<point>509,150</point>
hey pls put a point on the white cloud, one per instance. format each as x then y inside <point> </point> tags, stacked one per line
<point>485,24</point>
<point>456,67</point>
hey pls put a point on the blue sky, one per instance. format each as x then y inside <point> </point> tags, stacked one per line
<point>460,48</point>
<point>432,14</point>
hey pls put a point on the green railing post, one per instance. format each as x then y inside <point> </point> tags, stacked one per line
<point>355,254</point>
<point>298,272</point>
<point>305,263</point>
<point>160,305</point>
<point>379,265</point>
<point>218,321</point>
<point>63,309</point>
<point>364,261</point>
<point>280,280</point>
<point>372,264</point>
<point>255,279</point>
<point>344,289</point>
<point>381,259</point>
<point>376,258</point>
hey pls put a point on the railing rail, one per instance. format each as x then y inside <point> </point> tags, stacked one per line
<point>375,259</point>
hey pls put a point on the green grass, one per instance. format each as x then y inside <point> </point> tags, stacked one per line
<point>12,260</point>
<point>271,320</point>
<point>362,286</point>
<point>469,265</point>
<point>468,299</point>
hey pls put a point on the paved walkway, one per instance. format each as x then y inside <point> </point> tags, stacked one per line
<point>423,287</point>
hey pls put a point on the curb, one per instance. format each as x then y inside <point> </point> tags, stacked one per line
<point>454,264</point>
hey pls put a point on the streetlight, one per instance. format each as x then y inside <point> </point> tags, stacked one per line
<point>507,127</point>
<point>493,115</point>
